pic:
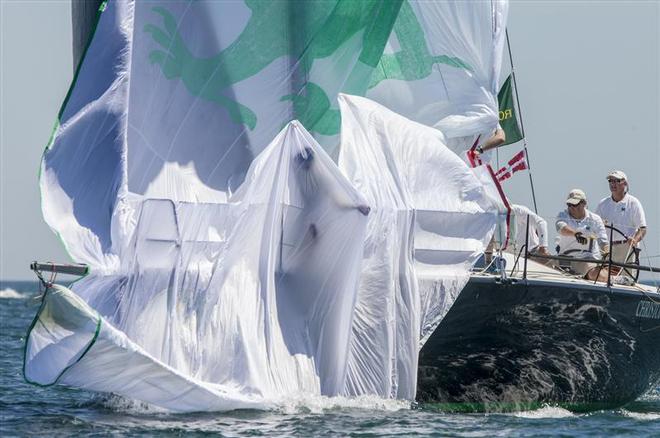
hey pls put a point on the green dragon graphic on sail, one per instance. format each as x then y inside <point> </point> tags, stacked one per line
<point>321,29</point>
<point>413,61</point>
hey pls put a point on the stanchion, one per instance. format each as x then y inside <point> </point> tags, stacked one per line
<point>609,261</point>
<point>526,249</point>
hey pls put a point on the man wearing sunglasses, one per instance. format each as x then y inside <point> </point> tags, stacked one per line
<point>581,233</point>
<point>625,214</point>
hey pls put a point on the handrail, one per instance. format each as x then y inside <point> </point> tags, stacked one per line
<point>597,261</point>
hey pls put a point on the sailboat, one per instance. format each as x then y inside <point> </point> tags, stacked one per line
<point>264,203</point>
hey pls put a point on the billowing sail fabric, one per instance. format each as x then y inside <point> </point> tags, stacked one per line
<point>247,301</point>
<point>230,74</point>
<point>159,176</point>
<point>70,343</point>
<point>174,99</point>
<point>83,171</point>
<point>441,66</point>
<point>385,335</point>
<point>431,218</point>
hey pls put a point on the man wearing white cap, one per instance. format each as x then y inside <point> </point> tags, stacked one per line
<point>581,232</point>
<point>624,212</point>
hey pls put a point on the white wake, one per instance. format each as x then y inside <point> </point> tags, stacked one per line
<point>9,293</point>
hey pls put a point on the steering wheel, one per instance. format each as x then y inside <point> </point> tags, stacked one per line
<point>633,254</point>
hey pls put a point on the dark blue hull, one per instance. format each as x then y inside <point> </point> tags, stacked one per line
<point>534,342</point>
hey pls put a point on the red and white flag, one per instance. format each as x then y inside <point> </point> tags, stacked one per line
<point>473,157</point>
<point>518,162</point>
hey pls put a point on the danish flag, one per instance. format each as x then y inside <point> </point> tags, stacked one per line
<point>473,157</point>
<point>518,162</point>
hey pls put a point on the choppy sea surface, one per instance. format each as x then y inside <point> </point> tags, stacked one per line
<point>59,411</point>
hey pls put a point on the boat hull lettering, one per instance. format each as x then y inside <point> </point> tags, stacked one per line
<point>648,309</point>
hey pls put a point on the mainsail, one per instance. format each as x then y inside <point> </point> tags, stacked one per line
<point>225,245</point>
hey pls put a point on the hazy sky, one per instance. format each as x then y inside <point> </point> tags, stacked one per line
<point>589,83</point>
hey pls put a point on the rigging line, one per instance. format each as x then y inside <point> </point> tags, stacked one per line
<point>522,125</point>
<point>647,257</point>
<point>515,86</point>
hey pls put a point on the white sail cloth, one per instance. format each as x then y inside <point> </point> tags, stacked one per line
<point>431,218</point>
<point>240,303</point>
<point>174,99</point>
<point>71,344</point>
<point>441,66</point>
<point>158,168</point>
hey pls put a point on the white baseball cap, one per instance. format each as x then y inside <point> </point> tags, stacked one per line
<point>576,196</point>
<point>617,174</point>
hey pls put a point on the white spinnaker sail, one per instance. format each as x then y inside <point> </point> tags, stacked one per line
<point>250,299</point>
<point>442,63</point>
<point>431,219</point>
<point>92,354</point>
<point>173,99</point>
<point>171,105</point>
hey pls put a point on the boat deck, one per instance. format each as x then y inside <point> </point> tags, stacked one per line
<point>541,272</point>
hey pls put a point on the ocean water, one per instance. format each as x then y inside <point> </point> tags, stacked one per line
<point>59,411</point>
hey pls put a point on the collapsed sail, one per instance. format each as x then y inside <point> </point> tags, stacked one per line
<point>174,99</point>
<point>251,299</point>
<point>92,354</point>
<point>159,175</point>
<point>431,218</point>
<point>441,67</point>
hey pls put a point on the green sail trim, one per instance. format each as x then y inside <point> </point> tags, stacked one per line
<point>101,9</point>
<point>58,120</point>
<point>36,319</point>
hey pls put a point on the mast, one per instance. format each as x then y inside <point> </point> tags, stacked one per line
<point>83,15</point>
<point>522,126</point>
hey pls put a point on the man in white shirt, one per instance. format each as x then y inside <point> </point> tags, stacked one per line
<point>538,230</point>
<point>581,232</point>
<point>625,213</point>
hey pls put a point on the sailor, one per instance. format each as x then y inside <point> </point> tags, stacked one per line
<point>470,148</point>
<point>625,214</point>
<point>538,230</point>
<point>497,139</point>
<point>581,233</point>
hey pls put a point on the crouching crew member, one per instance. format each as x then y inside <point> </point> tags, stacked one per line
<point>581,233</point>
